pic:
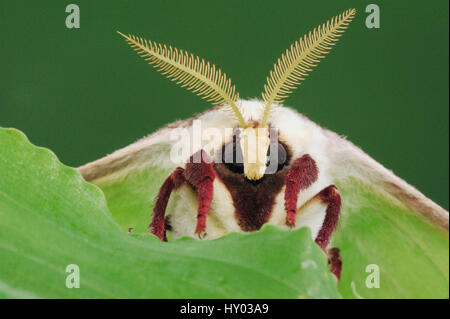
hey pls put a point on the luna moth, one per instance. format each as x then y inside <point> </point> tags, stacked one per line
<point>245,163</point>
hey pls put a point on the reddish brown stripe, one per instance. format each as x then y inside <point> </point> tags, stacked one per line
<point>253,202</point>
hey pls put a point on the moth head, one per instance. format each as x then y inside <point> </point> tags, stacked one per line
<point>209,82</point>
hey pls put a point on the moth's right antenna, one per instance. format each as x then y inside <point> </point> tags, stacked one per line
<point>304,54</point>
<point>189,71</point>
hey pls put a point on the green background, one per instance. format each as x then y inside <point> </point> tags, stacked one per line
<point>83,93</point>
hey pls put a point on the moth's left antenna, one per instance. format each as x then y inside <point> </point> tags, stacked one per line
<point>191,72</point>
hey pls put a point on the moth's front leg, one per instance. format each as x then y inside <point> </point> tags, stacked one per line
<point>200,174</point>
<point>157,227</point>
<point>301,175</point>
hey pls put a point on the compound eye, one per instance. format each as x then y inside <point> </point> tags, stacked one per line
<point>232,157</point>
<point>277,156</point>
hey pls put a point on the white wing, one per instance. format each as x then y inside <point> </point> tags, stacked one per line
<point>350,161</point>
<point>151,151</point>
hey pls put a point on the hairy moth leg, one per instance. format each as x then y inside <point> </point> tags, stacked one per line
<point>157,227</point>
<point>200,174</point>
<point>329,196</point>
<point>302,174</point>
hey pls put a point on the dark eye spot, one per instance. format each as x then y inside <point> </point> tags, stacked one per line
<point>277,156</point>
<point>232,156</point>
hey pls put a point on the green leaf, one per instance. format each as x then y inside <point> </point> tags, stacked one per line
<point>411,254</point>
<point>50,218</point>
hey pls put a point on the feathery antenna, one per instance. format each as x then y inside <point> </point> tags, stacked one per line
<point>189,71</point>
<point>304,54</point>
